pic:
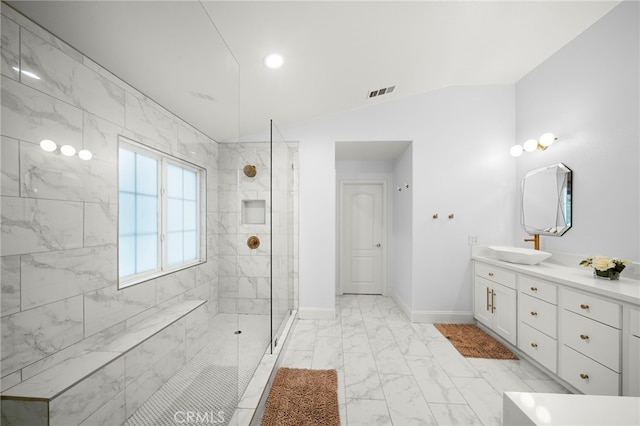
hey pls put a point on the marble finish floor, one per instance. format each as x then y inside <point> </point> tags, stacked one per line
<point>393,372</point>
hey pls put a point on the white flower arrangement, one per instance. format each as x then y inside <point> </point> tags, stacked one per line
<point>605,266</point>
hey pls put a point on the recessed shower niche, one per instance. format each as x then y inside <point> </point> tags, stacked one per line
<point>253,212</point>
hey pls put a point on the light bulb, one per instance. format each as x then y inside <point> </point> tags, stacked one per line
<point>84,154</point>
<point>273,60</point>
<point>48,145</point>
<point>516,150</point>
<point>547,139</point>
<point>530,145</point>
<point>67,150</point>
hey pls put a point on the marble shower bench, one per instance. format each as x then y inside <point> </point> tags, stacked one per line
<point>108,381</point>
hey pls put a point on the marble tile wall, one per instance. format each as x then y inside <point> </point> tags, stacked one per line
<point>245,273</point>
<point>59,214</point>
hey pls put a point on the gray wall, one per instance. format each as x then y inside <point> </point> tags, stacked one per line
<point>588,94</point>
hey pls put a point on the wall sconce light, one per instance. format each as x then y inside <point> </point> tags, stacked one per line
<point>545,141</point>
<point>48,145</point>
<point>66,150</point>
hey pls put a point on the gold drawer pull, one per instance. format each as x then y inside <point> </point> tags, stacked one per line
<point>584,337</point>
<point>584,306</point>
<point>534,345</point>
<point>534,288</point>
<point>533,313</point>
<point>490,274</point>
<point>584,376</point>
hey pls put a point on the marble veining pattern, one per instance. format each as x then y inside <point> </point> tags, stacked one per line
<point>66,79</point>
<point>113,412</point>
<point>80,401</point>
<point>47,277</point>
<point>10,380</point>
<point>171,285</point>
<point>34,334</point>
<point>58,177</point>
<point>10,48</point>
<point>9,178</point>
<point>151,351</point>
<point>32,225</point>
<point>100,224</point>
<point>143,118</point>
<point>140,389</point>
<point>432,384</point>
<point>30,115</point>
<point>10,281</point>
<point>99,136</point>
<point>54,381</point>
<point>108,306</point>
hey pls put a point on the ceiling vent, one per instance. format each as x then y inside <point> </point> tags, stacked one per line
<point>380,92</point>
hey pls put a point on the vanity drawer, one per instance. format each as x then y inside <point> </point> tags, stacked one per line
<point>595,340</point>
<point>586,375</point>
<point>592,307</point>
<point>634,322</point>
<point>538,346</point>
<point>632,376</point>
<point>495,274</point>
<point>539,289</point>
<point>538,314</point>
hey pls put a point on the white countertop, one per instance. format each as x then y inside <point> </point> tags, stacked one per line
<point>624,290</point>
<point>526,408</point>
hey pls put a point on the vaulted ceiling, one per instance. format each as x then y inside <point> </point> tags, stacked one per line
<point>203,59</point>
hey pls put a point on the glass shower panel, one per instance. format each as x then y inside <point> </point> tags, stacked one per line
<point>284,177</point>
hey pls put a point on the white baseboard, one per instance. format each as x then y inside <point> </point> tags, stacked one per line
<point>401,303</point>
<point>449,317</point>
<point>328,314</point>
<point>432,317</point>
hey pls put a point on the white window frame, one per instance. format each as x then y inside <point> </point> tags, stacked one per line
<point>163,161</point>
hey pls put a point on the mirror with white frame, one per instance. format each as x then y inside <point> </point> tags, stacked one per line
<point>546,200</point>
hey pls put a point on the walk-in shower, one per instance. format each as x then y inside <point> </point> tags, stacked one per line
<point>256,247</point>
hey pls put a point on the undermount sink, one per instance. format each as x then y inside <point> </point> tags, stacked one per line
<point>523,256</point>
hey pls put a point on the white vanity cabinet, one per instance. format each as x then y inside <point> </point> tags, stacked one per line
<point>631,357</point>
<point>538,320</point>
<point>495,300</point>
<point>584,331</point>
<point>590,343</point>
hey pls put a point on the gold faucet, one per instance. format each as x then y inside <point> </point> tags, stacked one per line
<point>535,240</point>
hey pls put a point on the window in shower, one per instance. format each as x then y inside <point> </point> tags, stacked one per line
<point>160,220</point>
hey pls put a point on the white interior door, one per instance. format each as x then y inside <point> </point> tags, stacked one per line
<point>362,234</point>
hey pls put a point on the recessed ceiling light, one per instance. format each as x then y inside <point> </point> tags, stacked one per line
<point>273,60</point>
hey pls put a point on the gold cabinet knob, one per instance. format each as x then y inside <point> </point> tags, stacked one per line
<point>584,376</point>
<point>490,274</point>
<point>584,337</point>
<point>534,345</point>
<point>534,289</point>
<point>584,306</point>
<point>534,313</point>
